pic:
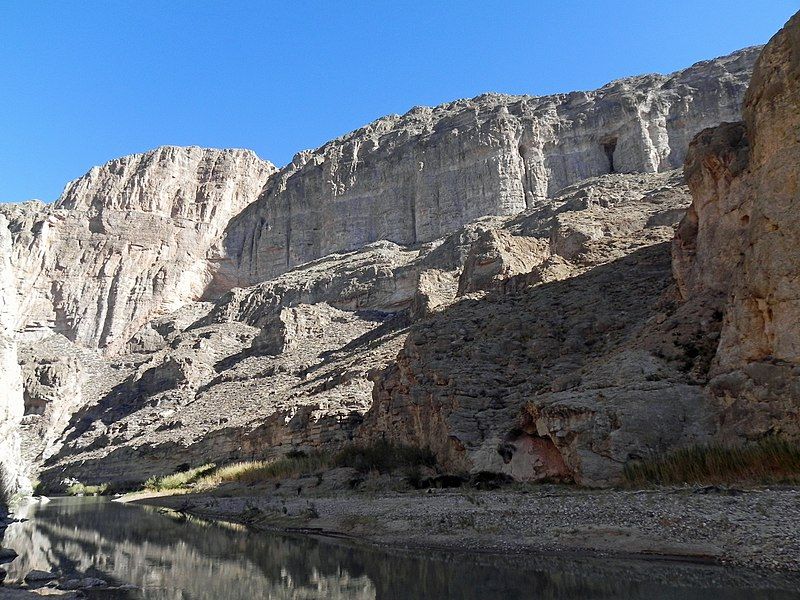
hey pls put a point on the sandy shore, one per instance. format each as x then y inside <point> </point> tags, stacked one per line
<point>747,528</point>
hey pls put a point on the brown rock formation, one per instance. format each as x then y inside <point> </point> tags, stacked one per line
<point>738,247</point>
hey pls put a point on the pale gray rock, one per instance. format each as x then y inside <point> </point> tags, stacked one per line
<point>127,241</point>
<point>290,363</point>
<point>417,177</point>
<point>11,401</point>
<point>539,330</point>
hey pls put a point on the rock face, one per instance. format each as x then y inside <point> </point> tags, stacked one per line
<point>418,177</point>
<point>127,241</point>
<point>11,403</point>
<point>737,250</point>
<point>571,380</point>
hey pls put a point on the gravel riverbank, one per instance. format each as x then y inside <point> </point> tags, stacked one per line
<point>757,528</point>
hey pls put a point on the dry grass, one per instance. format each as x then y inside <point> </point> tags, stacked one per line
<point>381,457</point>
<point>256,471</point>
<point>178,480</point>
<point>768,461</point>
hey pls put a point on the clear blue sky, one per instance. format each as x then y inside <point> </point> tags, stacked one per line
<point>82,82</point>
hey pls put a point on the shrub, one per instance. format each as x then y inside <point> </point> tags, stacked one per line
<point>769,460</point>
<point>80,489</point>
<point>383,456</point>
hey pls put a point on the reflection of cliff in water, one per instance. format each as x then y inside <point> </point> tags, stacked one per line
<point>174,558</point>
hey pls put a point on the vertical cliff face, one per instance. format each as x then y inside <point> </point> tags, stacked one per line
<point>738,247</point>
<point>417,177</point>
<point>11,403</point>
<point>127,241</point>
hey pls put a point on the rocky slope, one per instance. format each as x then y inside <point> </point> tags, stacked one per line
<point>417,177</point>
<point>290,363</point>
<point>573,380</point>
<point>455,278</point>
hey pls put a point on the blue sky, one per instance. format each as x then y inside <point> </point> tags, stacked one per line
<point>83,82</point>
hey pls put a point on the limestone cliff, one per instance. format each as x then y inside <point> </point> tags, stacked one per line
<point>417,177</point>
<point>290,363</point>
<point>127,241</point>
<point>11,404</point>
<point>737,249</point>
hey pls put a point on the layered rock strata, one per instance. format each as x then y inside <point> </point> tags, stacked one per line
<point>452,270</point>
<point>127,241</point>
<point>417,177</point>
<point>575,379</point>
<point>290,363</point>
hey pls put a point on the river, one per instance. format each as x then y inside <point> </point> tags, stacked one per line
<point>171,556</point>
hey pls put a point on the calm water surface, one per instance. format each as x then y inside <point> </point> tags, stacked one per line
<point>171,557</point>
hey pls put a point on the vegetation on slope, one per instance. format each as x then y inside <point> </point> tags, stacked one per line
<point>178,480</point>
<point>382,457</point>
<point>770,460</point>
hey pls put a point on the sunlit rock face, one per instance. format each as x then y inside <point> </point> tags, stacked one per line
<point>11,403</point>
<point>647,353</point>
<point>127,241</point>
<point>737,249</point>
<point>416,177</point>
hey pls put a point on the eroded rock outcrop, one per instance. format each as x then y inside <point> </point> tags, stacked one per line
<point>417,177</point>
<point>737,250</point>
<point>571,380</point>
<point>127,241</point>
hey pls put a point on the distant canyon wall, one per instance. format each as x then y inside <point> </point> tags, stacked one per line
<point>418,177</point>
<point>127,241</point>
<point>11,402</point>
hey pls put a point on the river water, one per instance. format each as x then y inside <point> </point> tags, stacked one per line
<point>170,556</point>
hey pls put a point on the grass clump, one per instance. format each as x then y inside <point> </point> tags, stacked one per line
<point>381,456</point>
<point>178,480</point>
<point>81,489</point>
<point>249,472</point>
<point>768,461</point>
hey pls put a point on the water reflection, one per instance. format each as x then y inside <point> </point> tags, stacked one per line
<point>175,558</point>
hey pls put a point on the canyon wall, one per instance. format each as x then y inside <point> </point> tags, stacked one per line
<point>642,355</point>
<point>514,313</point>
<point>737,249</point>
<point>127,241</point>
<point>417,177</point>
